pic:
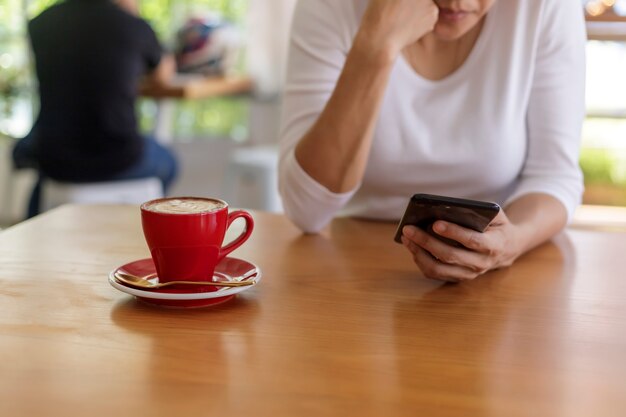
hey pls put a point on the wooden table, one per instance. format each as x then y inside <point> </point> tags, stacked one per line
<point>197,86</point>
<point>606,31</point>
<point>342,324</point>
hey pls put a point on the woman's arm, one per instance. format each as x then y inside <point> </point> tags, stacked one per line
<point>326,138</point>
<point>556,107</point>
<point>550,185</point>
<point>334,151</point>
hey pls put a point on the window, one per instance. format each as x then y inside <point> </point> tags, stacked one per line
<point>603,155</point>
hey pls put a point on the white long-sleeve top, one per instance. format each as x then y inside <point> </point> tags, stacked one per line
<point>506,123</point>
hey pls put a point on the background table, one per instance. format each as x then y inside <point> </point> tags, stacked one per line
<point>342,324</point>
<point>189,87</point>
<point>606,31</point>
<point>197,86</point>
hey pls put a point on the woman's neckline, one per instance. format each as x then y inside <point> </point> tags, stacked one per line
<point>479,45</point>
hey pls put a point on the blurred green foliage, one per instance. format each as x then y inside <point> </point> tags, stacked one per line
<point>605,176</point>
<point>218,118</point>
<point>12,84</point>
<point>166,16</point>
<point>603,154</point>
<point>597,165</point>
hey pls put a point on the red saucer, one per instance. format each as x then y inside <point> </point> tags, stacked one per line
<point>229,269</point>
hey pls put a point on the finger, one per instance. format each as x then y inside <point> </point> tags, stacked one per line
<point>471,239</point>
<point>452,255</point>
<point>435,269</point>
<point>419,237</point>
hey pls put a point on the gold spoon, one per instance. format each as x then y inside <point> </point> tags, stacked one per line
<point>143,283</point>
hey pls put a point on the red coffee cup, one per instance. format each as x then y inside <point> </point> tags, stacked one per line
<point>185,235</point>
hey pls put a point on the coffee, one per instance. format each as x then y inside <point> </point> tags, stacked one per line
<point>185,205</point>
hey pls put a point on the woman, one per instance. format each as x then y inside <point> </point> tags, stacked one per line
<point>479,99</point>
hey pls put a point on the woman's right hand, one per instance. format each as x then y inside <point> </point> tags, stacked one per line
<point>391,25</point>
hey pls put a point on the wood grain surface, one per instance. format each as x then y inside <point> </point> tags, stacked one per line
<point>343,324</point>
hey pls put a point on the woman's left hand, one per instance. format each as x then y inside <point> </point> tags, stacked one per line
<point>497,247</point>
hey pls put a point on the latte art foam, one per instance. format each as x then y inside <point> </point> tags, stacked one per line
<point>185,206</point>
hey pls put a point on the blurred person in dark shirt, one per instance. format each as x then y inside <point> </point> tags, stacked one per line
<point>90,57</point>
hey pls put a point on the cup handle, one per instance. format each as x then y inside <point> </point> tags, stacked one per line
<point>242,237</point>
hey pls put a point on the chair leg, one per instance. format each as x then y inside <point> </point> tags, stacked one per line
<point>8,190</point>
<point>34,200</point>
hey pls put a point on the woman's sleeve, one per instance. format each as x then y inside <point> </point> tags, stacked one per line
<point>557,107</point>
<point>320,41</point>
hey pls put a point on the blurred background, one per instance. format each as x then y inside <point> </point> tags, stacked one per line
<point>204,132</point>
<point>603,156</point>
<point>207,133</point>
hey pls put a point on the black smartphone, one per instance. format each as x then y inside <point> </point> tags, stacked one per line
<point>424,209</point>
